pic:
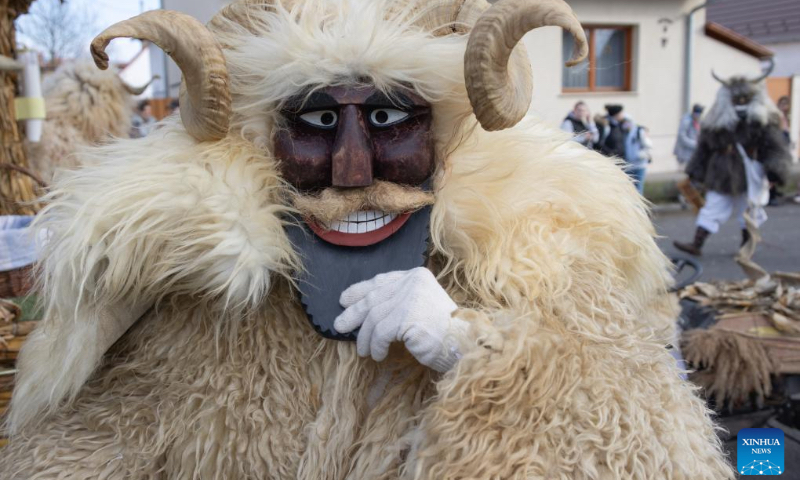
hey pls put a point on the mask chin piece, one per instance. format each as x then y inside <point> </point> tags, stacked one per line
<point>329,269</point>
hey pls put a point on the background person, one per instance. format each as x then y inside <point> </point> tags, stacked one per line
<point>638,154</point>
<point>785,107</point>
<point>614,137</point>
<point>579,122</point>
<point>174,106</point>
<point>143,120</point>
<point>689,130</point>
<point>621,138</point>
<point>740,147</point>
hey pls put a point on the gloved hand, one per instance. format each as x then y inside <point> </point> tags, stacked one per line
<point>408,306</point>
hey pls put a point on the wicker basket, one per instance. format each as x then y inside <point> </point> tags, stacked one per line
<point>17,282</point>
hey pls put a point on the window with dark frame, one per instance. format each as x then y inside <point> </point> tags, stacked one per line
<point>609,64</point>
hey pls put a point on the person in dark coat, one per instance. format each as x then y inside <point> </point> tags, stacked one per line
<point>741,132</point>
<point>615,134</point>
<point>579,122</point>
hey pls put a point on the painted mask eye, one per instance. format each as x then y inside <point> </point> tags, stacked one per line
<point>321,118</point>
<point>383,117</point>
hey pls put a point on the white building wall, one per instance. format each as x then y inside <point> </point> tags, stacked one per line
<point>658,70</point>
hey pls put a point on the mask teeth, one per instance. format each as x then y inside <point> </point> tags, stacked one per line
<point>363,222</point>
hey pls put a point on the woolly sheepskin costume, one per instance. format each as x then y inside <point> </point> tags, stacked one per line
<point>545,246</point>
<point>716,164</point>
<point>85,106</point>
<point>740,151</point>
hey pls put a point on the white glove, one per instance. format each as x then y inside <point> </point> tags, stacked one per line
<point>408,306</point>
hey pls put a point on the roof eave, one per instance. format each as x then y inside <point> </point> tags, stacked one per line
<point>737,41</point>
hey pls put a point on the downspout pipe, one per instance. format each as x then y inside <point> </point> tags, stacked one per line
<point>689,56</point>
<point>167,89</point>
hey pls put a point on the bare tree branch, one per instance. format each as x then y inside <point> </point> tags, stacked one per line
<point>60,29</point>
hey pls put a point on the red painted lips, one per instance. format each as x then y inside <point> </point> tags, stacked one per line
<point>360,229</point>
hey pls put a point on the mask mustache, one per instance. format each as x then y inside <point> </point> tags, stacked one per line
<point>334,204</point>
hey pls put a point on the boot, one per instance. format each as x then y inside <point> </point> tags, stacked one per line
<point>745,237</point>
<point>695,248</point>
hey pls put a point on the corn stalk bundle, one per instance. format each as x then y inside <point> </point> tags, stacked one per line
<point>18,191</point>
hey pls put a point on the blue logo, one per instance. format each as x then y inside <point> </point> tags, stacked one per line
<point>760,451</point>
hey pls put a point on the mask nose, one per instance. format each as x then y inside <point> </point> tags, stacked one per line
<point>352,150</point>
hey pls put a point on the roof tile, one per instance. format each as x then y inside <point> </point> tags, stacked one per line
<point>765,21</point>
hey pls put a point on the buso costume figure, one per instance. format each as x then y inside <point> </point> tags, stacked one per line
<point>523,335</point>
<point>743,126</point>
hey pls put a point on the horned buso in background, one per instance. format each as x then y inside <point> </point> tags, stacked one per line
<point>529,345</point>
<point>740,150</point>
<point>85,106</point>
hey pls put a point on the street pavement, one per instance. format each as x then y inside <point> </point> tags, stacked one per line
<point>779,251</point>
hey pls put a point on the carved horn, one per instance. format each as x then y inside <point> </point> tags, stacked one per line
<point>138,90</point>
<point>766,73</point>
<point>717,78</point>
<point>500,95</point>
<point>205,96</point>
